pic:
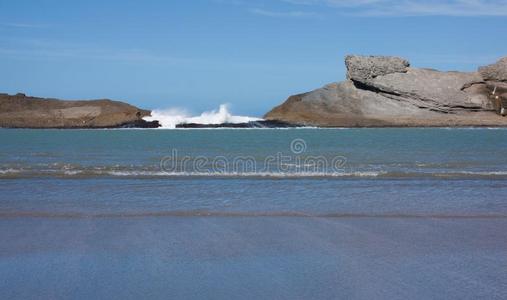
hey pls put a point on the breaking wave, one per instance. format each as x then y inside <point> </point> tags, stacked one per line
<point>169,118</point>
<point>70,171</point>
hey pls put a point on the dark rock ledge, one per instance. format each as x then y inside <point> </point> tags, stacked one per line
<point>252,124</point>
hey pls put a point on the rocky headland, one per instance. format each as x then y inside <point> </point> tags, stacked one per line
<point>382,91</point>
<point>21,111</point>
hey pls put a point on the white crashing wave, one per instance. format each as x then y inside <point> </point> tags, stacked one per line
<point>169,118</point>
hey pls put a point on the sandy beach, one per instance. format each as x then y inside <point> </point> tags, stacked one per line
<point>255,257</point>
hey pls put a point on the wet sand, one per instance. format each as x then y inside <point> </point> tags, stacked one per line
<point>283,257</point>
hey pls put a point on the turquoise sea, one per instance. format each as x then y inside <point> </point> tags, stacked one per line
<point>408,213</point>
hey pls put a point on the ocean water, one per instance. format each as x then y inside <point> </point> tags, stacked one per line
<point>412,213</point>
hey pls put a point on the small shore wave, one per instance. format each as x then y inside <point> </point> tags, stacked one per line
<point>273,214</point>
<point>119,173</point>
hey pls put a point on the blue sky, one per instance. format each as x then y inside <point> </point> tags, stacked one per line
<point>251,54</point>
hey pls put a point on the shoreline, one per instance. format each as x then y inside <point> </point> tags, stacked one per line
<point>268,128</point>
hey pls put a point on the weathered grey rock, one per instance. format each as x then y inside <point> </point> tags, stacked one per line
<point>342,104</point>
<point>478,94</point>
<point>424,88</point>
<point>495,72</point>
<point>363,68</point>
<point>21,111</point>
<point>393,94</point>
<point>430,89</point>
<point>496,87</point>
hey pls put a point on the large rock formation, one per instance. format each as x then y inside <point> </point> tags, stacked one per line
<point>386,91</point>
<point>21,111</point>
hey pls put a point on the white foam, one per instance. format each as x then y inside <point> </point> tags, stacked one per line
<point>245,174</point>
<point>169,118</point>
<point>483,173</point>
<point>72,172</point>
<point>10,171</point>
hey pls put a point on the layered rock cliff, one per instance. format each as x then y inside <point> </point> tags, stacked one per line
<point>386,91</point>
<point>21,111</point>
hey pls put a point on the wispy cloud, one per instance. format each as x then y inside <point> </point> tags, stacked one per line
<point>344,3</point>
<point>412,7</point>
<point>22,25</point>
<point>58,51</point>
<point>26,49</point>
<point>282,14</point>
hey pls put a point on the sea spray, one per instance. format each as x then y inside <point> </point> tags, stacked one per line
<point>169,118</point>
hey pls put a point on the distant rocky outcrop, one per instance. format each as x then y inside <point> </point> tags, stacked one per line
<point>21,111</point>
<point>386,91</point>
